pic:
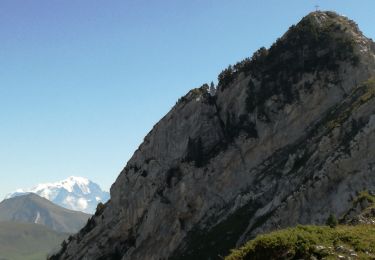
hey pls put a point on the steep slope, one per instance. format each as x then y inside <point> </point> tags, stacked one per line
<point>21,241</point>
<point>31,208</point>
<point>75,193</point>
<point>287,138</point>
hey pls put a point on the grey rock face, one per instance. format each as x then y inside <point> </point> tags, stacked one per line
<point>288,138</point>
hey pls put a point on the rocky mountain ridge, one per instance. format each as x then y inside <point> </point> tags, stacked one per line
<point>287,138</point>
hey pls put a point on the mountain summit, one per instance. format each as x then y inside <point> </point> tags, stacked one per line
<point>75,193</point>
<point>31,208</point>
<point>288,138</point>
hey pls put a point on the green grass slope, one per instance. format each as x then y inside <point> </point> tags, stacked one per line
<point>353,239</point>
<point>306,242</point>
<point>21,241</point>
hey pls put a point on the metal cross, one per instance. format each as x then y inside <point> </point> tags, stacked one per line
<point>317,8</point>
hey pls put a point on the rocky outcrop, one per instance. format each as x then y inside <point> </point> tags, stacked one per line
<point>287,138</point>
<point>362,211</point>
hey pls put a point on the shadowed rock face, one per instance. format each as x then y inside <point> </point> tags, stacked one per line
<point>287,138</point>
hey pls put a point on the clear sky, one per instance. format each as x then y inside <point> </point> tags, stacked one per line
<point>82,82</point>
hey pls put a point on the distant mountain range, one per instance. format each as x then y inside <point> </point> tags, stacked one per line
<point>32,226</point>
<point>75,193</point>
<point>25,241</point>
<point>31,208</point>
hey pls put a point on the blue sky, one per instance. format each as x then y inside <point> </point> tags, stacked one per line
<point>82,82</point>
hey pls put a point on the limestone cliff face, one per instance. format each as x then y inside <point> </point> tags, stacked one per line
<point>288,138</point>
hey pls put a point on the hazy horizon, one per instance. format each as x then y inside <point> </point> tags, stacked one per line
<point>83,82</point>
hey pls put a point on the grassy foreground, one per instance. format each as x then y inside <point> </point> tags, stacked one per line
<point>305,242</point>
<point>319,242</point>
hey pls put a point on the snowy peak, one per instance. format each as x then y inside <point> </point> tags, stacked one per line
<point>73,183</point>
<point>75,193</point>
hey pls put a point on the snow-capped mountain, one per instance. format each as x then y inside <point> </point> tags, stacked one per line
<point>75,193</point>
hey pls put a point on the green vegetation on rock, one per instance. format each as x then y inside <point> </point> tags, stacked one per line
<point>318,45</point>
<point>332,221</point>
<point>304,242</point>
<point>317,242</point>
<point>360,95</point>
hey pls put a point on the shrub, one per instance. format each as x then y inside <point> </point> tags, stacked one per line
<point>302,242</point>
<point>331,221</point>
